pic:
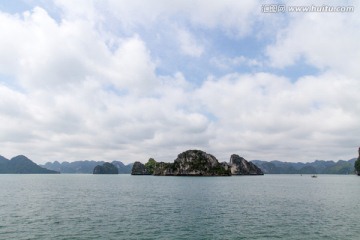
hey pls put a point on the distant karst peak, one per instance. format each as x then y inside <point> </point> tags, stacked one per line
<point>197,163</point>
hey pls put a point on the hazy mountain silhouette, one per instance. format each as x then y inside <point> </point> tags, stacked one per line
<point>316,167</point>
<point>21,164</point>
<point>85,166</point>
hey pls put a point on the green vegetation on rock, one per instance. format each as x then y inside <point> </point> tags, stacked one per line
<point>150,166</point>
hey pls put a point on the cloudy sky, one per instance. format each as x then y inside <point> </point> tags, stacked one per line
<point>129,79</point>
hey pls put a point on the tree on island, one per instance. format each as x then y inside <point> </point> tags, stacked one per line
<point>357,164</point>
<point>150,165</point>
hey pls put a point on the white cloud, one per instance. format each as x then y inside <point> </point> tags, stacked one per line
<point>87,85</point>
<point>234,17</point>
<point>323,40</point>
<point>229,63</point>
<point>42,53</point>
<point>81,99</point>
<point>188,44</point>
<point>270,117</point>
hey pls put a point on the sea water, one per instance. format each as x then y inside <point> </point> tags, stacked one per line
<point>69,206</point>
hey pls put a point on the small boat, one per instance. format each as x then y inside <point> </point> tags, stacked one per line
<point>313,176</point>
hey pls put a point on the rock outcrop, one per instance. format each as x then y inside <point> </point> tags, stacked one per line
<point>239,166</point>
<point>192,163</point>
<point>106,168</point>
<point>140,169</point>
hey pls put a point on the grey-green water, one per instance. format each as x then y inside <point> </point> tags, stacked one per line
<point>147,207</point>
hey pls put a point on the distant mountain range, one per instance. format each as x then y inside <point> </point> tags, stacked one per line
<point>21,164</point>
<point>268,167</point>
<point>85,166</point>
<point>316,167</point>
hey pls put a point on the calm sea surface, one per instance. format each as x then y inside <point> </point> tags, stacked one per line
<point>147,207</point>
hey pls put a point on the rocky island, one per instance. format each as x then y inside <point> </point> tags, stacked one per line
<point>106,168</point>
<point>357,164</point>
<point>239,166</point>
<point>141,169</point>
<point>197,163</point>
<point>192,163</point>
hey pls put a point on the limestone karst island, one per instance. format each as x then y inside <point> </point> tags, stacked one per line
<point>197,163</point>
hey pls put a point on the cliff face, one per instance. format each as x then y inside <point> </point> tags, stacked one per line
<point>106,168</point>
<point>192,163</point>
<point>164,169</point>
<point>239,166</point>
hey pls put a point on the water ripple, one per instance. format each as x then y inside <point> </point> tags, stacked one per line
<point>147,207</point>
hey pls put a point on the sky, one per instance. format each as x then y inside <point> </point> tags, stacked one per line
<point>128,80</point>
